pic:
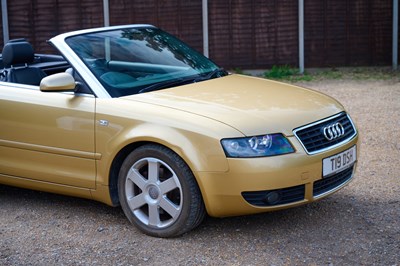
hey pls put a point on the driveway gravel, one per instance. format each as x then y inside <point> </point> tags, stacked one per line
<point>359,225</point>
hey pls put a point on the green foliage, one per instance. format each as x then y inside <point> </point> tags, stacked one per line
<point>357,73</point>
<point>238,70</point>
<point>279,72</point>
<point>286,73</point>
<point>366,73</point>
<point>329,74</point>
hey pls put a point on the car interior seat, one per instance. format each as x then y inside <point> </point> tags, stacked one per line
<point>17,55</point>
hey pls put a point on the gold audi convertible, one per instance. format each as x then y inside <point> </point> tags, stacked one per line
<point>131,116</point>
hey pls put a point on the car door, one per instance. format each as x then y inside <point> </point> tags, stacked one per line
<point>47,136</point>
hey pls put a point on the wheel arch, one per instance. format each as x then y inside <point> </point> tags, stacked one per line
<point>121,156</point>
<point>200,151</point>
<point>116,165</point>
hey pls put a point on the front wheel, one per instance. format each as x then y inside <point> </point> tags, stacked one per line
<point>158,192</point>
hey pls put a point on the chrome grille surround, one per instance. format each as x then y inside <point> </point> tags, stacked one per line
<point>312,137</point>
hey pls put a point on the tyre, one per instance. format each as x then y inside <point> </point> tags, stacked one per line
<point>158,192</point>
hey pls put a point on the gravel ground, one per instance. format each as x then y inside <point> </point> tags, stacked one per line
<point>360,225</point>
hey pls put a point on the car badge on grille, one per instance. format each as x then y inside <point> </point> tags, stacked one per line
<point>333,131</point>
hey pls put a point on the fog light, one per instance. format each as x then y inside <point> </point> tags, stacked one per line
<point>273,197</point>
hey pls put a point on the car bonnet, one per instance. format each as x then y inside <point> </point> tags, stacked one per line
<point>254,106</point>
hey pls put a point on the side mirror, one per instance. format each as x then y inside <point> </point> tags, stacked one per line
<point>58,83</point>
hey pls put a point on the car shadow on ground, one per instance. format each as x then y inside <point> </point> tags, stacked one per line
<point>336,211</point>
<point>341,227</point>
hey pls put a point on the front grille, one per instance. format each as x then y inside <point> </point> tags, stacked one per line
<point>286,195</point>
<point>330,183</point>
<point>312,136</point>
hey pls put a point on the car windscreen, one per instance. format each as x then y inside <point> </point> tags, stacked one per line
<point>135,60</point>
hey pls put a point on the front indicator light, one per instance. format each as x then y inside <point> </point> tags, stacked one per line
<point>257,146</point>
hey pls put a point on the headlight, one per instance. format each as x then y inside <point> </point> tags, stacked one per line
<point>258,146</point>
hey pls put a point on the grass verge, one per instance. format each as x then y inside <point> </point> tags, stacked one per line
<point>288,74</point>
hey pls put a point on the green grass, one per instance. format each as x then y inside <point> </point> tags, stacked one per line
<point>372,73</point>
<point>357,73</point>
<point>329,74</point>
<point>286,73</point>
<point>238,70</point>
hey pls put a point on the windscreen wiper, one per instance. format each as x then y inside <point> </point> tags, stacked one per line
<point>166,84</point>
<point>218,72</point>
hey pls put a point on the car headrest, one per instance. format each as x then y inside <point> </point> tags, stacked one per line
<point>17,52</point>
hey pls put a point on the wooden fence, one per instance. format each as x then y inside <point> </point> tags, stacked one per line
<point>247,34</point>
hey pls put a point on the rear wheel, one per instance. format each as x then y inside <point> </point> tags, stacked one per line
<point>158,192</point>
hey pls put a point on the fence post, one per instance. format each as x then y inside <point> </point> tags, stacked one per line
<point>205,27</point>
<point>106,13</point>
<point>4,15</point>
<point>395,33</point>
<point>301,36</point>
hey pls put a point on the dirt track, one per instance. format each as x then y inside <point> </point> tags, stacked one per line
<point>360,225</point>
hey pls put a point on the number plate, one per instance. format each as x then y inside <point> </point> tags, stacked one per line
<point>339,162</point>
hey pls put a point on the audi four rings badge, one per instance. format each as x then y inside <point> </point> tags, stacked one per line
<point>333,131</point>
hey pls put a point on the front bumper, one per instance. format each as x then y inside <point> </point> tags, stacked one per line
<point>239,191</point>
